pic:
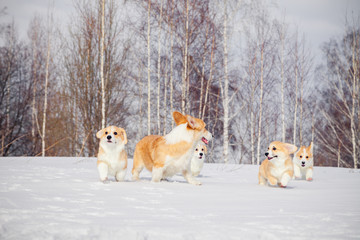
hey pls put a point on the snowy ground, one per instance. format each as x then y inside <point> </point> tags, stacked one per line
<point>62,198</point>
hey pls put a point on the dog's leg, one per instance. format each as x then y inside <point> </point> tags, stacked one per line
<point>189,177</point>
<point>272,180</point>
<point>262,180</point>
<point>103,171</point>
<point>297,171</point>
<point>120,175</point>
<point>138,166</point>
<point>157,174</point>
<point>286,177</point>
<point>309,174</point>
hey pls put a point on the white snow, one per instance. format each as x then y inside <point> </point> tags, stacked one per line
<point>62,198</point>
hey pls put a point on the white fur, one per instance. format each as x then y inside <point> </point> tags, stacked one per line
<point>179,133</point>
<point>280,168</point>
<point>299,170</point>
<point>197,161</point>
<point>110,156</point>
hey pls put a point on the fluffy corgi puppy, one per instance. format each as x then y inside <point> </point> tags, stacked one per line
<point>198,158</point>
<point>303,162</point>
<point>277,168</point>
<point>112,157</point>
<point>168,155</point>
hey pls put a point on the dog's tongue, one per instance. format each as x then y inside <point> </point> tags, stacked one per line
<point>205,140</point>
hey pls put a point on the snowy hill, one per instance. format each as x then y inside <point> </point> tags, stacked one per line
<point>62,198</point>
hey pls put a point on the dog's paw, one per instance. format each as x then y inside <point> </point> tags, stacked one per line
<point>309,179</point>
<point>106,181</point>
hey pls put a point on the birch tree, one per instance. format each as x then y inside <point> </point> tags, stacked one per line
<point>103,119</point>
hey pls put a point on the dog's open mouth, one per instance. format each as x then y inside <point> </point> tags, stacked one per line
<point>205,140</point>
<point>303,165</point>
<point>269,158</point>
<point>109,141</point>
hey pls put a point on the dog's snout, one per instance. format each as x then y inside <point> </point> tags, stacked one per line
<point>201,154</point>
<point>303,162</point>
<point>266,154</point>
<point>108,137</point>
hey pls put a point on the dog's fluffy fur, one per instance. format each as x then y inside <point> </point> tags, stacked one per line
<point>197,161</point>
<point>112,157</point>
<point>304,162</point>
<point>168,155</point>
<point>277,168</point>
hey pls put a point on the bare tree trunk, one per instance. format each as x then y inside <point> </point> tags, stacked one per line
<point>148,70</point>
<point>296,90</point>
<point>301,100</point>
<point>102,65</point>
<point>210,76</point>
<point>282,86</point>
<point>43,135</point>
<point>159,69</point>
<point>261,101</point>
<point>184,74</point>
<point>171,59</point>
<point>203,72</point>
<point>252,118</point>
<point>226,91</point>
<point>353,95</point>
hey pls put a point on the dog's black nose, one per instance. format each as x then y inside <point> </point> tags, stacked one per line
<point>201,154</point>
<point>303,162</point>
<point>266,154</point>
<point>108,137</point>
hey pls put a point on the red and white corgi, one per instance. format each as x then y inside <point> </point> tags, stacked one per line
<point>197,161</point>
<point>112,157</point>
<point>277,168</point>
<point>304,162</point>
<point>168,155</point>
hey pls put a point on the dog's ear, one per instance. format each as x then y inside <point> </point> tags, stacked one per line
<point>291,148</point>
<point>311,147</point>
<point>123,135</point>
<point>192,122</point>
<point>205,149</point>
<point>179,118</point>
<point>100,133</point>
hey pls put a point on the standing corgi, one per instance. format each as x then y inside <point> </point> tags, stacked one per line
<point>112,157</point>
<point>304,162</point>
<point>168,155</point>
<point>197,161</point>
<point>277,168</point>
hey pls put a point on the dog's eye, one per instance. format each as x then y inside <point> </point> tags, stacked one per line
<point>106,133</point>
<point>196,149</point>
<point>274,148</point>
<point>307,156</point>
<point>300,156</point>
<point>115,133</point>
<point>202,149</point>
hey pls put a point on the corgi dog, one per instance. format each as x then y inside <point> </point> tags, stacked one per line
<point>277,168</point>
<point>304,162</point>
<point>168,155</point>
<point>198,158</point>
<point>112,157</point>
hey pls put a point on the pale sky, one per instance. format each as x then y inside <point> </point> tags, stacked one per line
<point>318,20</point>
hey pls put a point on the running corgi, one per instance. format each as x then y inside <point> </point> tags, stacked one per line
<point>277,168</point>
<point>112,157</point>
<point>304,163</point>
<point>168,155</point>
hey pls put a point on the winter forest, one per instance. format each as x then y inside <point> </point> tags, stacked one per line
<point>235,64</point>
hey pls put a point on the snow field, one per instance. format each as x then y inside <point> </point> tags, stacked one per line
<point>62,198</point>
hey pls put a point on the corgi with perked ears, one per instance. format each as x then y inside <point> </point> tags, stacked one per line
<point>277,168</point>
<point>112,157</point>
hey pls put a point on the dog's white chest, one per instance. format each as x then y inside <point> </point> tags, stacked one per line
<point>278,169</point>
